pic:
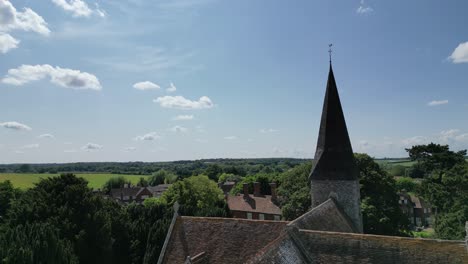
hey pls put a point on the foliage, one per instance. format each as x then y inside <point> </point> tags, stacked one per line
<point>7,194</point>
<point>162,176</point>
<point>379,201</point>
<point>294,191</point>
<point>397,170</point>
<point>435,158</point>
<point>116,182</point>
<point>405,183</point>
<point>142,182</point>
<point>225,177</point>
<point>416,171</point>
<point>35,243</point>
<point>197,192</point>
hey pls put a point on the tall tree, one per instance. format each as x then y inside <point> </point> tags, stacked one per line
<point>379,201</point>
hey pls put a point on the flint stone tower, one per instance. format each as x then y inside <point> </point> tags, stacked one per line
<point>335,173</point>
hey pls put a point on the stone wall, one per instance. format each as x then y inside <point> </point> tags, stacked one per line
<point>346,194</point>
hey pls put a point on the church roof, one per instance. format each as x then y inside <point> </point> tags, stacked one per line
<point>254,204</point>
<point>334,158</point>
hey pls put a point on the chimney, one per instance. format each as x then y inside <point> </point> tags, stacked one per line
<point>256,189</point>
<point>273,191</point>
<point>246,189</point>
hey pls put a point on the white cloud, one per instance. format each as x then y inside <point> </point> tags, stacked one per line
<point>450,134</point>
<point>200,140</point>
<point>364,8</point>
<point>179,102</point>
<point>63,77</point>
<point>28,20</point>
<point>78,8</point>
<point>91,147</point>
<point>171,88</point>
<point>147,85</point>
<point>129,149</point>
<point>15,125</point>
<point>230,137</point>
<point>70,151</point>
<point>460,54</point>
<point>179,129</point>
<point>183,117</point>
<point>148,136</point>
<point>46,136</point>
<point>462,137</point>
<point>417,140</point>
<point>435,102</point>
<point>269,130</point>
<point>30,146</point>
<point>7,43</point>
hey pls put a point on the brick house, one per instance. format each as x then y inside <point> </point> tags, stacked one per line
<point>418,211</point>
<point>129,194</point>
<point>256,206</point>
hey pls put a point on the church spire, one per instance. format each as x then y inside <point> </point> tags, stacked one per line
<point>334,158</point>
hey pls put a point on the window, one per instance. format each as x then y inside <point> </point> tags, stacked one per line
<point>406,201</point>
<point>261,217</point>
<point>428,210</point>
<point>425,210</point>
<point>144,197</point>
<point>249,215</point>
<point>125,198</point>
<point>277,218</point>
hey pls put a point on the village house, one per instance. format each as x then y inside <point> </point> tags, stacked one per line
<point>418,211</point>
<point>256,206</point>
<point>129,194</point>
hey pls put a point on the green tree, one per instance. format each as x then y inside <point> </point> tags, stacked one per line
<point>379,201</point>
<point>405,183</point>
<point>213,171</point>
<point>114,182</point>
<point>294,191</point>
<point>229,177</point>
<point>436,159</point>
<point>397,170</point>
<point>7,194</point>
<point>142,182</point>
<point>35,243</point>
<point>162,176</point>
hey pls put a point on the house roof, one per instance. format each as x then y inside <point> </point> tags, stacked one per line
<point>224,240</point>
<point>254,204</point>
<point>158,189</point>
<point>130,191</point>
<point>334,158</point>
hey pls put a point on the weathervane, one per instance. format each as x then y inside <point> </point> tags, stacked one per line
<point>330,50</point>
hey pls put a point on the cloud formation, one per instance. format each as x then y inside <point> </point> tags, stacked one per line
<point>148,136</point>
<point>78,8</point>
<point>364,8</point>
<point>179,102</point>
<point>129,149</point>
<point>14,125</point>
<point>436,103</point>
<point>146,85</point>
<point>28,20</point>
<point>91,147</point>
<point>7,43</point>
<point>46,136</point>
<point>67,78</point>
<point>171,88</point>
<point>269,130</point>
<point>460,54</point>
<point>230,137</point>
<point>179,129</point>
<point>183,117</point>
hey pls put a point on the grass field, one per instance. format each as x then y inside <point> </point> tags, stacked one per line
<point>95,180</point>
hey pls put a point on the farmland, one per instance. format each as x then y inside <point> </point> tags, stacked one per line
<point>95,180</point>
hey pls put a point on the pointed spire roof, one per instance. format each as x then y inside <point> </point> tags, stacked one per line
<point>334,159</point>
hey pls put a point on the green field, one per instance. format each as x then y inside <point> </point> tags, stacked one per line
<point>95,180</point>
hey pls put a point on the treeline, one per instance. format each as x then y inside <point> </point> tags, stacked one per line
<point>183,169</point>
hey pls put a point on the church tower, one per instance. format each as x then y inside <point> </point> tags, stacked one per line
<point>335,172</point>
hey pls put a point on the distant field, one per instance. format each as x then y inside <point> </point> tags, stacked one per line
<point>95,180</point>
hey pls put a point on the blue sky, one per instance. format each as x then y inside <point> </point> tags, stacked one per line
<point>136,80</point>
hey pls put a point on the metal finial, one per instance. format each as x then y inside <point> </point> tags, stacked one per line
<point>330,51</point>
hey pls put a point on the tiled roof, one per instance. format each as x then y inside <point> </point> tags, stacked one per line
<point>130,191</point>
<point>224,240</point>
<point>257,204</point>
<point>158,189</point>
